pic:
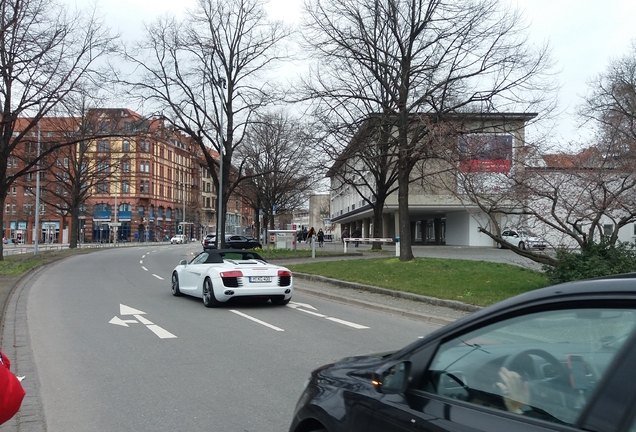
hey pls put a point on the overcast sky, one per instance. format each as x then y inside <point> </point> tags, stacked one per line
<point>584,35</point>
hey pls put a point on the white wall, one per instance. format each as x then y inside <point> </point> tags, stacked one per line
<point>457,227</point>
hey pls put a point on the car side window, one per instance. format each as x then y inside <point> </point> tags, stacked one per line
<point>200,258</point>
<point>544,365</point>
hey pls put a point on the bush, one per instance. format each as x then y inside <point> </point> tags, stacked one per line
<point>594,260</point>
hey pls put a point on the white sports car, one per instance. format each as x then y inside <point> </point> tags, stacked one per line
<point>217,276</point>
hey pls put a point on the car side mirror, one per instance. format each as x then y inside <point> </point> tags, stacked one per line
<point>392,377</point>
<point>183,262</point>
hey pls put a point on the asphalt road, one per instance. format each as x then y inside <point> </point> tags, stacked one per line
<point>178,366</point>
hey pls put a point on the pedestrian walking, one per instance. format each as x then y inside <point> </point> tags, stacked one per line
<point>356,234</point>
<point>321,237</point>
<point>310,235</point>
<point>345,234</point>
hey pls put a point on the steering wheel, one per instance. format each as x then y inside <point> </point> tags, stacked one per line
<point>523,364</point>
<point>544,391</point>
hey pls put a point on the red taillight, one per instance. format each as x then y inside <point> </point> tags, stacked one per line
<point>284,273</point>
<point>233,273</point>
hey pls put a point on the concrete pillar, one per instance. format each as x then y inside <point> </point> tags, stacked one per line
<point>437,226</point>
<point>396,219</point>
<point>366,231</point>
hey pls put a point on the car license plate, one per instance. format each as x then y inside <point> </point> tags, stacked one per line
<point>260,278</point>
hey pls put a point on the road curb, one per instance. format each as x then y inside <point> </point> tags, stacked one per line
<point>373,306</point>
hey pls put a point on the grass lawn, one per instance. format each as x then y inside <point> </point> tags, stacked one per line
<point>476,282</point>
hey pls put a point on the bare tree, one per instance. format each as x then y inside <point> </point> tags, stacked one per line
<point>206,76</point>
<point>45,53</point>
<point>610,105</point>
<point>420,61</point>
<point>278,153</point>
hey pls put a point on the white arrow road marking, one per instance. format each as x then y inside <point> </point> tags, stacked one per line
<point>162,333</point>
<point>297,305</point>
<point>158,277</point>
<point>143,320</point>
<point>347,323</point>
<point>121,322</point>
<point>256,320</point>
<point>145,269</point>
<point>127,310</point>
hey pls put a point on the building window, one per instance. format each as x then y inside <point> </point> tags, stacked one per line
<point>102,187</point>
<point>125,166</point>
<point>103,146</point>
<point>125,146</point>
<point>103,167</point>
<point>140,210</point>
<point>28,176</point>
<point>12,208</point>
<point>7,208</point>
<point>144,146</point>
<point>125,187</point>
<point>103,126</point>
<point>14,190</point>
<point>144,166</point>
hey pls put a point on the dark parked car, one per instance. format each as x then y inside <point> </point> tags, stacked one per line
<point>556,359</point>
<point>233,241</point>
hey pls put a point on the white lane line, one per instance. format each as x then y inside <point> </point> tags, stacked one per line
<point>143,256</point>
<point>145,269</point>
<point>158,277</point>
<point>347,323</point>
<point>162,333</point>
<point>312,313</point>
<point>256,320</point>
<point>298,306</point>
<point>141,261</point>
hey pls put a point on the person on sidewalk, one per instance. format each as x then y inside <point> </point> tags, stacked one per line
<point>321,237</point>
<point>11,391</point>
<point>345,234</point>
<point>356,234</point>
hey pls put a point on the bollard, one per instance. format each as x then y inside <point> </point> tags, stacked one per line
<point>397,246</point>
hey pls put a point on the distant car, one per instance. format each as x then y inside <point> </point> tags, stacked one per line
<point>233,241</point>
<point>220,275</point>
<point>178,239</point>
<point>555,359</point>
<point>522,238</point>
<point>208,240</point>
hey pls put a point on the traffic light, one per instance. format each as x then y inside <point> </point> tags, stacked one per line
<point>179,229</point>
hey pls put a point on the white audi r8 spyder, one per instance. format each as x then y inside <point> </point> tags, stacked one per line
<point>218,276</point>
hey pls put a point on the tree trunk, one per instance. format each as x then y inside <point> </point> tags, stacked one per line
<point>406,251</point>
